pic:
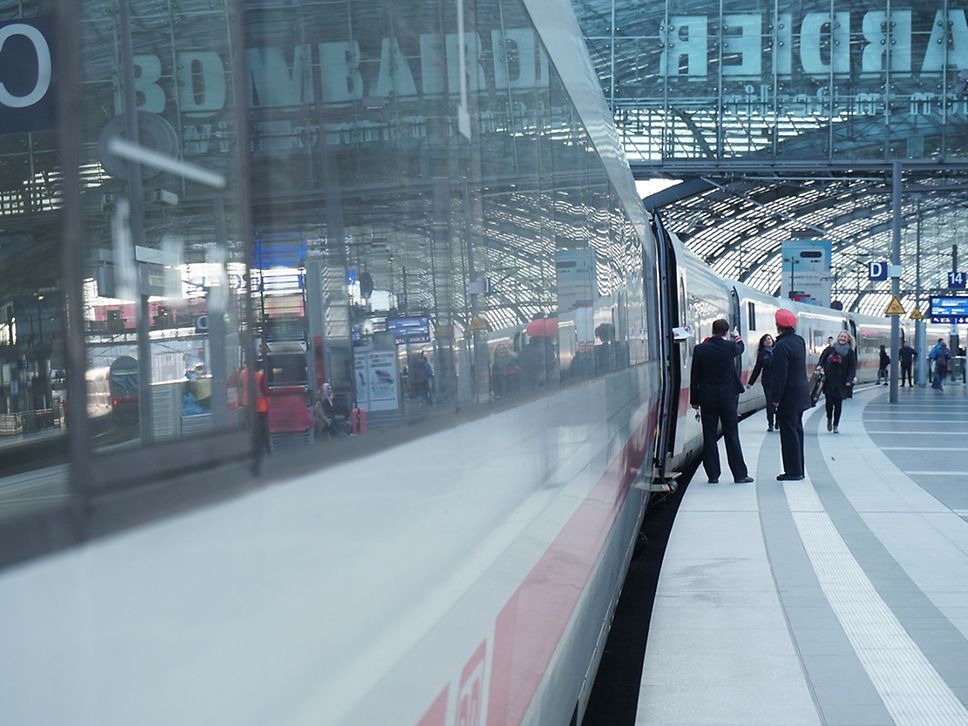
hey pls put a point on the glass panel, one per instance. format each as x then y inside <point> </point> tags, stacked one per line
<point>462,243</point>
<point>33,379</point>
<point>165,287</point>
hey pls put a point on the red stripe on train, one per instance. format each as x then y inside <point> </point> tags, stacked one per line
<point>437,713</point>
<point>531,624</point>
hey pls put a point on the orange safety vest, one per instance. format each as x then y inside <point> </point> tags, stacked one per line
<point>261,402</point>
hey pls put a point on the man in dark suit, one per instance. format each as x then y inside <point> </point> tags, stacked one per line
<point>714,388</point>
<point>788,388</point>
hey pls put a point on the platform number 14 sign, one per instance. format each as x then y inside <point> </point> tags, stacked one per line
<point>957,280</point>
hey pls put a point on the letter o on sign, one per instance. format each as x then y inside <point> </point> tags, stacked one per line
<point>43,65</point>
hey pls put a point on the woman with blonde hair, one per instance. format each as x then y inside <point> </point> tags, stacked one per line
<point>839,364</point>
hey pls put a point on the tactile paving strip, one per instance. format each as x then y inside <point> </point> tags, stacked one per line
<point>910,687</point>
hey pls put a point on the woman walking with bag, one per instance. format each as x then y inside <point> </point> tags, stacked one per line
<point>839,368</point>
<point>764,359</point>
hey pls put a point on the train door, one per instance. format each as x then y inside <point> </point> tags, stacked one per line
<point>670,319</point>
<point>735,323</point>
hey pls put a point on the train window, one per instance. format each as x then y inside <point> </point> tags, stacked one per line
<point>165,295</point>
<point>751,315</point>
<point>33,362</point>
<point>252,279</point>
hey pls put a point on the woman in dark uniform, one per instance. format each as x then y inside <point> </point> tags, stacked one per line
<point>764,359</point>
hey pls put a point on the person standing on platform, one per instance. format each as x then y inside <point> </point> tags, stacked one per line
<point>764,359</point>
<point>714,389</point>
<point>884,360</point>
<point>261,402</point>
<point>839,369</point>
<point>941,358</point>
<point>906,356</point>
<point>788,385</point>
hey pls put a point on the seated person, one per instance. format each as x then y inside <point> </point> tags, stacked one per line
<point>330,417</point>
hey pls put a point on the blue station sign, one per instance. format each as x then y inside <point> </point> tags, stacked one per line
<point>412,329</point>
<point>949,309</point>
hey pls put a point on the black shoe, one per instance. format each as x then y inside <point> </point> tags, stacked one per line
<point>789,477</point>
<point>830,425</point>
<point>745,480</point>
<point>714,481</point>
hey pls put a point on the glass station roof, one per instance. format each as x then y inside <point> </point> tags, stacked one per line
<point>783,118</point>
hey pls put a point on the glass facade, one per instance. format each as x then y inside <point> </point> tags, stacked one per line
<point>774,81</point>
<point>283,224</point>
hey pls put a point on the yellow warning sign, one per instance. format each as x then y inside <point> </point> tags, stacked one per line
<point>894,307</point>
<point>916,315</point>
<point>477,323</point>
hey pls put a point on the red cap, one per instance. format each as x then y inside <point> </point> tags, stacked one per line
<point>785,319</point>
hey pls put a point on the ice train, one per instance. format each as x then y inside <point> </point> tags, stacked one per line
<point>466,574</point>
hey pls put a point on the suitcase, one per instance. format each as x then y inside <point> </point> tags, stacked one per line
<point>816,386</point>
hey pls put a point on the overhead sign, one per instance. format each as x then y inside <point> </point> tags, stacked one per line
<point>949,309</point>
<point>957,280</point>
<point>894,307</point>
<point>27,98</point>
<point>877,271</point>
<point>409,330</point>
<point>806,271</point>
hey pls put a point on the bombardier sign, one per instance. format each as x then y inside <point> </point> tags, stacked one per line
<point>817,44</point>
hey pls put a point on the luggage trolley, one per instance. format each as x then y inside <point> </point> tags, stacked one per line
<point>291,422</point>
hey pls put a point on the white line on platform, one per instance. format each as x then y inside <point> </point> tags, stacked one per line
<point>910,687</point>
<point>935,473</point>
<point>957,407</point>
<point>920,433</point>
<point>916,420</point>
<point>919,448</point>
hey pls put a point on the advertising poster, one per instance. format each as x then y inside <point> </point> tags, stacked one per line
<point>360,382</point>
<point>576,278</point>
<point>381,369</point>
<point>806,271</point>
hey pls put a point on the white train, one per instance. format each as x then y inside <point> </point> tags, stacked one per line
<point>465,576</point>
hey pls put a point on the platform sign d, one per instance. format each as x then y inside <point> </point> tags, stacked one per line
<point>877,271</point>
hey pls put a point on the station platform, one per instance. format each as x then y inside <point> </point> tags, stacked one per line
<point>840,599</point>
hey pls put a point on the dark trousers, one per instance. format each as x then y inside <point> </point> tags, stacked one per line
<point>834,407</point>
<point>770,414</point>
<point>714,413</point>
<point>906,374</point>
<point>791,440</point>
